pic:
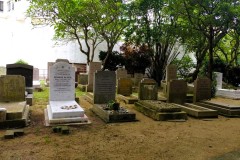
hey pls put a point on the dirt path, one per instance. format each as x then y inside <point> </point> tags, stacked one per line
<point>143,140</point>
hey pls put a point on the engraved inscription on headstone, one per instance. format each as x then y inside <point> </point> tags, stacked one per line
<point>12,88</point>
<point>124,86</point>
<point>104,87</point>
<point>202,89</point>
<point>148,89</point>
<point>62,82</point>
<point>177,91</point>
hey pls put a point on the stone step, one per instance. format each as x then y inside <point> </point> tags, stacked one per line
<point>223,110</point>
<point>198,111</point>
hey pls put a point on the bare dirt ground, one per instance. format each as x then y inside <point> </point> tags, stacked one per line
<point>145,139</point>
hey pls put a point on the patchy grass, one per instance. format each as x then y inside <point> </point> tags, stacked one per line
<point>79,92</point>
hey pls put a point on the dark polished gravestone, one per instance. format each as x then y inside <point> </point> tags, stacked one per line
<point>104,91</point>
<point>22,69</point>
<point>150,106</point>
<point>124,90</point>
<point>13,109</point>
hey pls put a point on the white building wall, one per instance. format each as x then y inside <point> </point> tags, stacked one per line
<point>20,40</point>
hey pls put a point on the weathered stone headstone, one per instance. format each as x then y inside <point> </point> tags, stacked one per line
<point>62,106</point>
<point>93,67</point>
<point>104,87</point>
<point>202,89</point>
<point>3,71</point>
<point>219,76</point>
<point>35,74</point>
<point>148,89</point>
<point>177,91</point>
<point>12,88</point>
<point>49,66</point>
<point>124,86</point>
<point>137,78</point>
<point>171,72</point>
<point>83,79</point>
<point>22,69</point>
<point>121,73</point>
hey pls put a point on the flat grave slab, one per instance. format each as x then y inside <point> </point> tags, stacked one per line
<point>65,109</point>
<point>123,115</point>
<point>160,111</point>
<point>222,108</point>
<point>89,97</point>
<point>198,111</point>
<point>17,115</point>
<point>50,121</point>
<point>127,99</point>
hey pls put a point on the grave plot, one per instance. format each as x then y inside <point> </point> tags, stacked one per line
<point>62,108</point>
<point>160,111</point>
<point>14,112</point>
<point>104,96</point>
<point>223,109</point>
<point>124,91</point>
<point>150,106</point>
<point>198,111</point>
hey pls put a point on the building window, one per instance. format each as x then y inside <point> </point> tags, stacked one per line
<point>1,6</point>
<point>9,5</point>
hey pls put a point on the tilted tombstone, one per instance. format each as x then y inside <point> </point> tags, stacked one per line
<point>22,69</point>
<point>12,88</point>
<point>104,87</point>
<point>148,89</point>
<point>124,86</point>
<point>202,89</point>
<point>177,91</point>
<point>93,67</point>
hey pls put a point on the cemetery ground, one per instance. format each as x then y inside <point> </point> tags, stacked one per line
<point>195,139</point>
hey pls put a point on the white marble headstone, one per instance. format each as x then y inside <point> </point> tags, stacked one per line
<point>62,82</point>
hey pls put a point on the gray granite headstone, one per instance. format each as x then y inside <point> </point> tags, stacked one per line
<point>104,87</point>
<point>219,76</point>
<point>62,82</point>
<point>12,88</point>
<point>49,65</point>
<point>93,67</point>
<point>171,72</point>
<point>202,89</point>
<point>177,91</point>
<point>124,86</point>
<point>148,89</point>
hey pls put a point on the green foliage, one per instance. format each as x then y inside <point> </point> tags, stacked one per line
<point>185,65</point>
<point>114,60</point>
<point>20,61</point>
<point>137,58</point>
